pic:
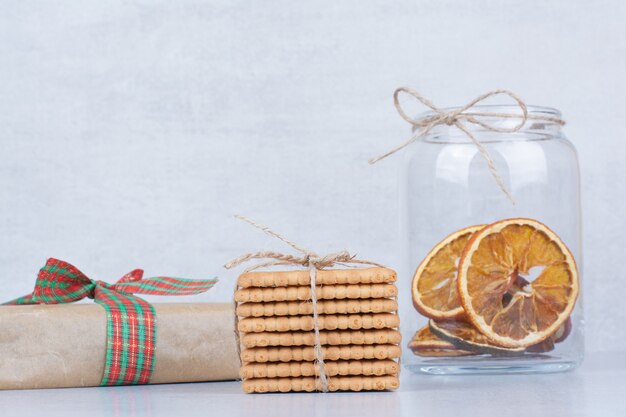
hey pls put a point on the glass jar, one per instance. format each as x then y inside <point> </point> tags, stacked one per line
<point>492,284</point>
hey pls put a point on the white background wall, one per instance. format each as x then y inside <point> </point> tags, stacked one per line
<point>130,131</point>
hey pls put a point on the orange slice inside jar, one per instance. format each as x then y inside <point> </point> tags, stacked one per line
<point>434,287</point>
<point>425,343</point>
<point>497,289</point>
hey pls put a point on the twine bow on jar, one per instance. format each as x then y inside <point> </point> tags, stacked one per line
<point>307,259</point>
<point>459,119</point>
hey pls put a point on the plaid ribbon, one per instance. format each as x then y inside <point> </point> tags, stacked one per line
<point>131,321</point>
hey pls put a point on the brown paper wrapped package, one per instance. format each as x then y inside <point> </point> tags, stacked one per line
<point>57,346</point>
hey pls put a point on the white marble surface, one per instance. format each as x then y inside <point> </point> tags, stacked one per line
<point>597,388</point>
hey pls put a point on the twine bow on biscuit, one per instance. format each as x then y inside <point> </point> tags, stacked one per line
<point>459,118</point>
<point>307,259</point>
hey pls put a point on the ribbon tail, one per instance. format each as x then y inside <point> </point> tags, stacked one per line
<point>167,286</point>
<point>25,300</point>
<point>131,337</point>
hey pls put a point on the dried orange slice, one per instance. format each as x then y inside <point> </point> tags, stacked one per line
<point>424,343</point>
<point>497,289</point>
<point>434,287</point>
<point>542,347</point>
<point>435,353</point>
<point>464,336</point>
<point>563,332</point>
<point>560,335</point>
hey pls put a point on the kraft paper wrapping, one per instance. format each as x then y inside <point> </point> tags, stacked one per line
<point>59,346</point>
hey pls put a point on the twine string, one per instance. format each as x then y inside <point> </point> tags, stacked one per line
<point>319,355</point>
<point>459,119</point>
<point>309,260</point>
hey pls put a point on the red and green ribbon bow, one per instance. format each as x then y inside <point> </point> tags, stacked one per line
<point>131,321</point>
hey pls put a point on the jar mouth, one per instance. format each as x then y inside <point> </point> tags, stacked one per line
<point>483,110</point>
<point>542,123</point>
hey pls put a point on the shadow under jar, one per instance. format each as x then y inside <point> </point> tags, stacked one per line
<point>492,285</point>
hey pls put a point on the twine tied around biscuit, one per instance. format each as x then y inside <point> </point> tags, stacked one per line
<point>459,118</point>
<point>307,259</point>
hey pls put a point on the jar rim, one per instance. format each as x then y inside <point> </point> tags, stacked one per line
<point>543,123</point>
<point>532,109</point>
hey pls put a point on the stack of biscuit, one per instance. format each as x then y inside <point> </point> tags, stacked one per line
<point>358,325</point>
